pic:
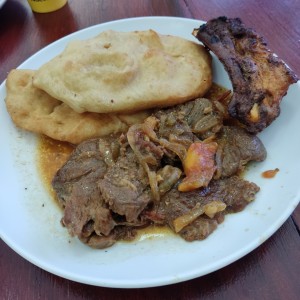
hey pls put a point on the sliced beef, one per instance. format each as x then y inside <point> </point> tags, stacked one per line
<point>169,133</point>
<point>233,192</point>
<point>86,214</point>
<point>236,147</point>
<point>204,117</point>
<point>118,233</point>
<point>148,154</point>
<point>176,128</point>
<point>84,164</point>
<point>200,229</point>
<point>173,127</point>
<point>125,187</point>
<point>111,186</point>
<point>200,117</point>
<point>76,190</point>
<point>259,78</point>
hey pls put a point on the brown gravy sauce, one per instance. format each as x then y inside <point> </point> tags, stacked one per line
<point>52,154</point>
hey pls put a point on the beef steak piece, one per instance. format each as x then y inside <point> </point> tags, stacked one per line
<point>236,147</point>
<point>118,233</point>
<point>86,215</point>
<point>234,192</point>
<point>77,192</point>
<point>125,187</point>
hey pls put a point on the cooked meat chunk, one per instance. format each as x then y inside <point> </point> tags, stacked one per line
<point>176,128</point>
<point>234,191</point>
<point>169,134</point>
<point>86,214</point>
<point>118,233</point>
<point>172,126</point>
<point>125,187</point>
<point>147,154</point>
<point>236,147</point>
<point>201,117</point>
<point>259,78</point>
<point>75,188</point>
<point>200,229</point>
<point>111,186</point>
<point>202,210</point>
<point>204,117</point>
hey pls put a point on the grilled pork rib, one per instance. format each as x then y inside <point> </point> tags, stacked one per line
<point>259,78</point>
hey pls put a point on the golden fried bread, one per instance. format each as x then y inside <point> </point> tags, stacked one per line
<point>32,109</point>
<point>126,71</point>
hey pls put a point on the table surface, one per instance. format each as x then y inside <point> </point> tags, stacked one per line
<point>271,271</point>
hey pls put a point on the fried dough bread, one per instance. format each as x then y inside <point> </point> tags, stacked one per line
<point>126,72</point>
<point>33,109</point>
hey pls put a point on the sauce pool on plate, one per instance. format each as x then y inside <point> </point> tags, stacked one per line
<point>52,154</point>
<point>270,173</point>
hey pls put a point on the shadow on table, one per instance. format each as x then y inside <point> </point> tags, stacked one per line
<point>65,23</point>
<point>13,17</point>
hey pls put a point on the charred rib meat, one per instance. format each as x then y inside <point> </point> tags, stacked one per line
<point>259,78</point>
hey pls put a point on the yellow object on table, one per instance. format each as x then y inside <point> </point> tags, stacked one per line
<point>44,6</point>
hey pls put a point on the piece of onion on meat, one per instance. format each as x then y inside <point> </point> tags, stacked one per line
<point>162,180</point>
<point>138,135</point>
<point>210,209</point>
<point>168,177</point>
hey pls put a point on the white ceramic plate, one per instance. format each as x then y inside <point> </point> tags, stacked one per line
<point>30,221</point>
